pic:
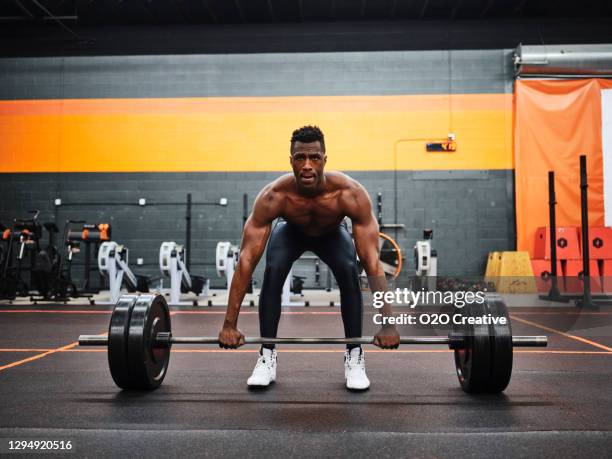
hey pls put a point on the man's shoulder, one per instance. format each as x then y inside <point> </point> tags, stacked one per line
<point>345,184</point>
<point>277,188</point>
<point>281,184</point>
<point>341,181</point>
<point>271,199</point>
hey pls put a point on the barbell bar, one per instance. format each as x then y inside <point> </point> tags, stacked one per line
<point>163,338</point>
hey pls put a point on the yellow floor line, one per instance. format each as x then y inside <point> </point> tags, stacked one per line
<point>45,352</point>
<point>24,350</point>
<point>559,332</point>
<point>39,356</point>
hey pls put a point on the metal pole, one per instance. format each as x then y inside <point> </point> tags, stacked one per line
<point>87,267</point>
<point>517,341</point>
<point>188,235</point>
<point>245,217</point>
<point>587,301</point>
<point>553,294</point>
<point>363,340</point>
<point>245,208</point>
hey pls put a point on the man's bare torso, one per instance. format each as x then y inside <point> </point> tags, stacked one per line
<point>314,214</point>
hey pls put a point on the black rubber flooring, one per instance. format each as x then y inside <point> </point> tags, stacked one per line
<point>559,402</point>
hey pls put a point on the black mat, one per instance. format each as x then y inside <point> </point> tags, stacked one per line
<point>557,404</point>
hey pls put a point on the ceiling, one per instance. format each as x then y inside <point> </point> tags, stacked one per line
<point>126,12</point>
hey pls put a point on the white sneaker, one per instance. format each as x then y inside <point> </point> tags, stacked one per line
<point>264,372</point>
<point>354,370</point>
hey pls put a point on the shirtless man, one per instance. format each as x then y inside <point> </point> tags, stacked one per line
<point>312,205</point>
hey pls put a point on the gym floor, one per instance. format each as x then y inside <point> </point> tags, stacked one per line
<point>558,403</point>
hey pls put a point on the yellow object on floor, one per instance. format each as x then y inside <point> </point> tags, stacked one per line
<point>492,271</point>
<point>511,272</point>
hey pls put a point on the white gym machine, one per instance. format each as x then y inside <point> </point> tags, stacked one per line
<point>426,262</point>
<point>286,295</point>
<point>226,260</point>
<point>113,263</point>
<point>172,265</point>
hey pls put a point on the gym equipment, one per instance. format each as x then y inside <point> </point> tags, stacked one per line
<point>113,262</point>
<point>379,213</point>
<point>567,242</point>
<point>140,337</point>
<point>553,294</point>
<point>390,255</point>
<point>46,265</point>
<point>21,246</point>
<point>297,284</point>
<point>426,261</point>
<point>390,258</point>
<point>245,217</point>
<point>390,252</point>
<point>485,364</point>
<point>91,235</point>
<point>290,287</point>
<point>3,243</point>
<point>587,299</point>
<point>601,242</point>
<point>60,285</point>
<point>226,258</point>
<point>172,265</point>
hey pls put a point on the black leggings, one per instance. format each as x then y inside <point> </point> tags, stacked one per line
<point>336,249</point>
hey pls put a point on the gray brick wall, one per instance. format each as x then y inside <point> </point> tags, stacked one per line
<point>282,74</point>
<point>470,212</point>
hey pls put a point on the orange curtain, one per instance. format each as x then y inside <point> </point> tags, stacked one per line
<point>556,122</point>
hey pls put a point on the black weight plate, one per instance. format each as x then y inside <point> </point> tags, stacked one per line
<point>473,362</point>
<point>501,348</point>
<point>148,364</point>
<point>118,340</point>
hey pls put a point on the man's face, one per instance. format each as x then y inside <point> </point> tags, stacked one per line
<point>308,161</point>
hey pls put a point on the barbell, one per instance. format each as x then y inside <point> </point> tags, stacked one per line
<point>140,338</point>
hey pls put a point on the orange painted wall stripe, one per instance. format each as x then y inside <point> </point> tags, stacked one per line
<point>252,134</point>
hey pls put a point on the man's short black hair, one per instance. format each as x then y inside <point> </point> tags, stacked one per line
<point>307,134</point>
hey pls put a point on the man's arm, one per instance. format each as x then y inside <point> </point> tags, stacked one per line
<point>365,233</point>
<point>255,235</point>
